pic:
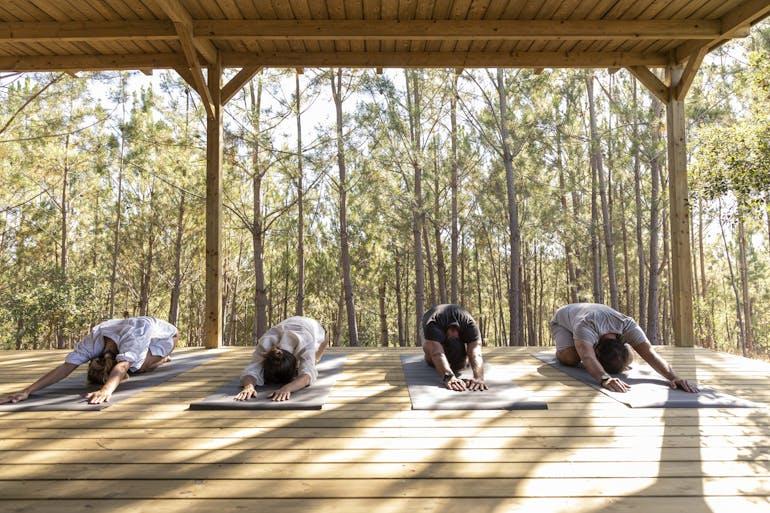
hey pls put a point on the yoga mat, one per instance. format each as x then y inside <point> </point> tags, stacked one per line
<point>68,394</point>
<point>427,392</point>
<point>649,389</point>
<point>309,398</point>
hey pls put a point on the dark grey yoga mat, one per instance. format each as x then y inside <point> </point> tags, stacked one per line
<point>649,390</point>
<point>310,398</point>
<point>68,394</point>
<point>427,392</point>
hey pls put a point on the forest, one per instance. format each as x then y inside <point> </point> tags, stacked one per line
<point>362,198</point>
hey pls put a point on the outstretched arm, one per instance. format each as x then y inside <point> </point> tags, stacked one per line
<point>477,365</point>
<point>48,379</point>
<point>588,357</point>
<point>117,374</point>
<point>434,352</point>
<point>284,393</point>
<point>662,367</point>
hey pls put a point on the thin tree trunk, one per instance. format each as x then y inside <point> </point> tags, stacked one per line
<point>566,240</point>
<point>652,295</point>
<point>399,304</point>
<point>418,216</point>
<point>736,294</point>
<point>347,279</point>
<point>440,265</point>
<point>480,309</point>
<point>144,290</point>
<point>744,272</point>
<point>383,314</point>
<point>596,260</point>
<point>300,309</point>
<point>640,259</point>
<point>514,295</point>
<point>596,152</point>
<point>176,287</point>
<point>431,271</point>
<point>119,205</point>
<point>257,228</point>
<point>455,236</point>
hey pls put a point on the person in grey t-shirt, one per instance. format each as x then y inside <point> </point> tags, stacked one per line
<point>599,337</point>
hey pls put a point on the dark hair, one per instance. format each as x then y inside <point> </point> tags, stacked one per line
<point>100,367</point>
<point>456,354</point>
<point>280,366</point>
<point>613,354</point>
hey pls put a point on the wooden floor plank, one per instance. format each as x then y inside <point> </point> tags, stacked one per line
<point>367,451</point>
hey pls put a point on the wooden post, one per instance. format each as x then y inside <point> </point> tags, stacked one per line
<point>681,257</point>
<point>213,318</point>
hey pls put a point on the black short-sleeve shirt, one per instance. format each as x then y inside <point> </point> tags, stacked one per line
<point>436,321</point>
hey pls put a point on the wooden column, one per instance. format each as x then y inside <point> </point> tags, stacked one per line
<point>213,319</point>
<point>681,257</point>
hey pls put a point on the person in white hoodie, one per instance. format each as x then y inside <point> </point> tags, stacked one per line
<point>113,350</point>
<point>286,355</point>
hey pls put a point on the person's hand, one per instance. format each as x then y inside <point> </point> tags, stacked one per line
<point>246,393</point>
<point>98,397</point>
<point>616,385</point>
<point>15,397</point>
<point>684,385</point>
<point>475,384</point>
<point>456,384</point>
<point>282,394</point>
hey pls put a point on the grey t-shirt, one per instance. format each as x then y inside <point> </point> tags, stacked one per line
<point>589,321</point>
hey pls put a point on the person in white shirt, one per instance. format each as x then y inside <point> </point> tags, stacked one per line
<point>113,350</point>
<point>287,355</point>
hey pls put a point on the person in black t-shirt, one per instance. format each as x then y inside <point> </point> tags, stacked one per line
<point>451,340</point>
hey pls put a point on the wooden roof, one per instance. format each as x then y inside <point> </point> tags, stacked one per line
<point>366,451</point>
<point>145,34</point>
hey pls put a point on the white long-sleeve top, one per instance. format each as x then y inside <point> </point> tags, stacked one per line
<point>135,337</point>
<point>301,336</point>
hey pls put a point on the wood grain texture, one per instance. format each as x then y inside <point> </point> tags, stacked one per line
<point>368,452</point>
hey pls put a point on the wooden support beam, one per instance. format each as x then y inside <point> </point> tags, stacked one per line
<point>456,29</point>
<point>681,253</point>
<point>300,71</point>
<point>54,31</point>
<point>735,23</point>
<point>538,71</point>
<point>179,15</point>
<point>688,75</point>
<point>186,76</point>
<point>650,81</point>
<point>212,323</point>
<point>446,59</point>
<point>147,71</point>
<point>379,70</point>
<point>90,62</point>
<point>237,82</point>
<point>199,81</point>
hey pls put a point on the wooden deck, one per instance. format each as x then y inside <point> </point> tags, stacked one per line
<point>367,452</point>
